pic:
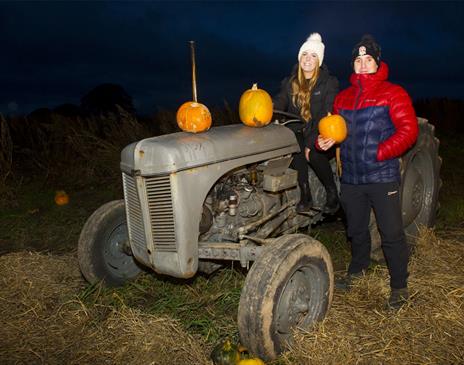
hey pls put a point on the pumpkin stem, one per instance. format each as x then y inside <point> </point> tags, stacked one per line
<point>194,73</point>
<point>329,114</point>
<point>255,87</point>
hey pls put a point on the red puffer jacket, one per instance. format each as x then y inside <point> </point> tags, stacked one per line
<point>382,125</point>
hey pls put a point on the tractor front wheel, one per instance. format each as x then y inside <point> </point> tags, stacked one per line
<point>289,286</point>
<point>103,250</point>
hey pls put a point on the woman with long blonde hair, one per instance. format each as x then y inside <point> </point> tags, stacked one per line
<point>309,92</point>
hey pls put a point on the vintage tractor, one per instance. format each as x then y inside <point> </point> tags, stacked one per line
<point>192,201</point>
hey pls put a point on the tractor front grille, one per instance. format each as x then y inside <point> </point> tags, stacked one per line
<point>161,213</point>
<point>134,216</point>
<point>158,206</point>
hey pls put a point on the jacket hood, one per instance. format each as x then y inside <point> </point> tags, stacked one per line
<point>366,80</point>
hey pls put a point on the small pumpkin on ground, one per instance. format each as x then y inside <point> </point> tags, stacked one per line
<point>251,361</point>
<point>193,117</point>
<point>333,126</point>
<point>255,107</point>
<point>225,353</point>
<point>61,197</point>
<point>246,358</point>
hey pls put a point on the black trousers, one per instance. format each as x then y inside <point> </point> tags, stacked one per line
<point>384,198</point>
<point>318,160</point>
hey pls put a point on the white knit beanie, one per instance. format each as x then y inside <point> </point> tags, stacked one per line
<point>313,45</point>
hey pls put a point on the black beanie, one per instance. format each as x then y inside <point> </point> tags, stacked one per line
<point>369,46</point>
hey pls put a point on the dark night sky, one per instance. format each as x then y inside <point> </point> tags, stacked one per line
<point>55,52</point>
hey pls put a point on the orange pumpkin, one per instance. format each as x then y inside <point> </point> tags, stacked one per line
<point>193,117</point>
<point>333,126</point>
<point>61,198</point>
<point>255,107</point>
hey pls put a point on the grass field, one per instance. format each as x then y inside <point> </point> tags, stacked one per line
<point>43,291</point>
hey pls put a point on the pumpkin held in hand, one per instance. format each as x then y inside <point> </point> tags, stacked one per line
<point>333,126</point>
<point>61,198</point>
<point>225,353</point>
<point>255,107</point>
<point>193,117</point>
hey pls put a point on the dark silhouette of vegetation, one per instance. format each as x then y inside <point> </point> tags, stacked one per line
<point>82,144</point>
<point>68,110</point>
<point>445,114</point>
<point>104,99</point>
<point>41,115</point>
<point>6,150</point>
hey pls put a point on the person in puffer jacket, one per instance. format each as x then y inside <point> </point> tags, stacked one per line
<point>382,125</point>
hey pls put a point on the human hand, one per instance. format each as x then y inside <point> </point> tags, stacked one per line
<point>325,143</point>
<point>307,153</point>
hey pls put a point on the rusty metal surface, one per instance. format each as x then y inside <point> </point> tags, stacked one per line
<point>179,151</point>
<point>245,251</point>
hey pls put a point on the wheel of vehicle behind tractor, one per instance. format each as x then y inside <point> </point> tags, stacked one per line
<point>103,249</point>
<point>420,186</point>
<point>289,286</point>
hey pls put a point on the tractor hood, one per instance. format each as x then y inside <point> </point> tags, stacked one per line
<point>180,151</point>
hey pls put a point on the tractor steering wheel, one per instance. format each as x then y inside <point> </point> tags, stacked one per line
<point>290,120</point>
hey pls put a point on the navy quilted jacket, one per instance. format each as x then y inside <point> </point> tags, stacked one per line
<point>382,125</point>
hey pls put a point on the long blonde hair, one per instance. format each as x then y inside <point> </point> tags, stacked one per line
<point>302,89</point>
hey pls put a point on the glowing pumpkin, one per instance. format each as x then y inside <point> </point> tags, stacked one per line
<point>193,117</point>
<point>333,126</point>
<point>61,198</point>
<point>255,107</point>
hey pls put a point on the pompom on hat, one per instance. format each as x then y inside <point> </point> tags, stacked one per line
<point>313,45</point>
<point>367,46</point>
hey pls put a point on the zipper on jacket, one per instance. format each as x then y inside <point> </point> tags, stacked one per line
<point>355,176</point>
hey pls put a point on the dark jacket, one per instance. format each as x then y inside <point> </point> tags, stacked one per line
<point>382,125</point>
<point>322,99</point>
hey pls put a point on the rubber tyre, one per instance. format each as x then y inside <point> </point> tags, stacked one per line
<point>420,186</point>
<point>100,250</point>
<point>289,285</point>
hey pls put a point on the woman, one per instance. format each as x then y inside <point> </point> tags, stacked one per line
<point>310,92</point>
<point>384,128</point>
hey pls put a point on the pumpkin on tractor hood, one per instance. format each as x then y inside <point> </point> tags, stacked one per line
<point>193,117</point>
<point>255,107</point>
